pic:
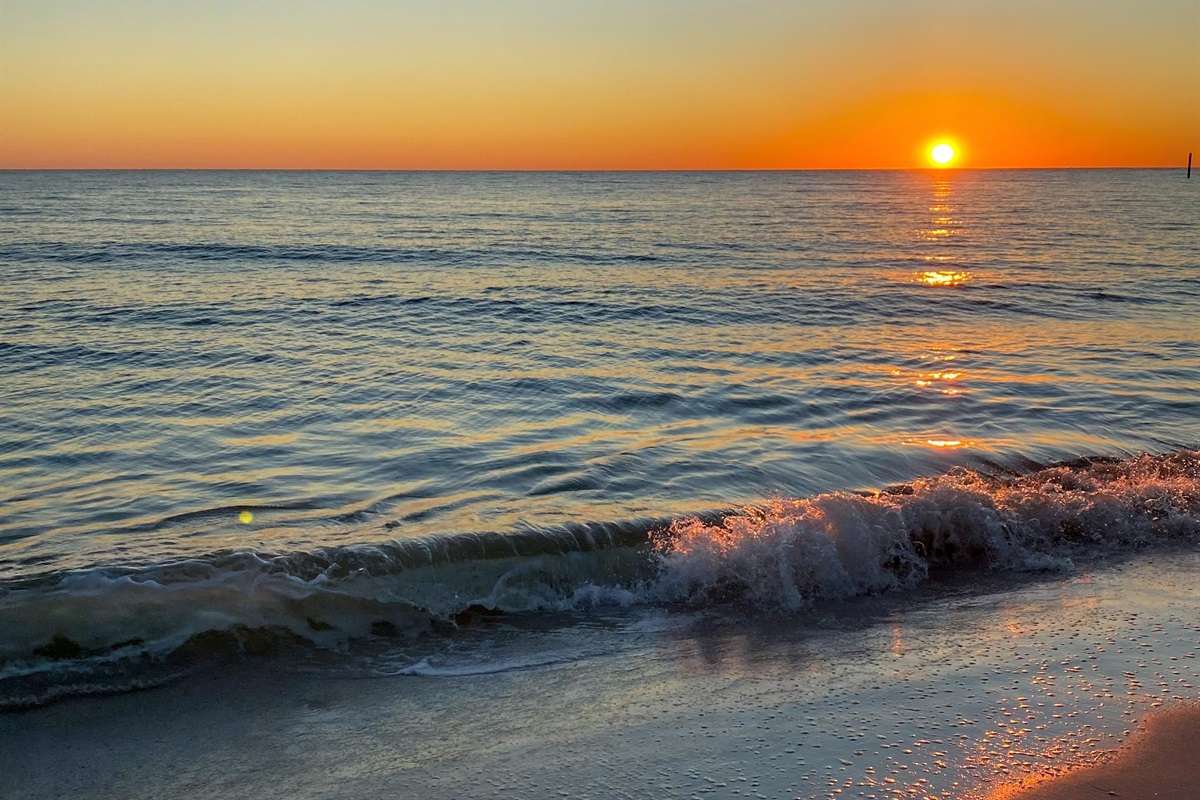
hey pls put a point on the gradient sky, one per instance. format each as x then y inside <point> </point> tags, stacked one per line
<point>605,84</point>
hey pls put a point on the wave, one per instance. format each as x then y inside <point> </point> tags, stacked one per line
<point>783,554</point>
<point>791,552</point>
<point>116,252</point>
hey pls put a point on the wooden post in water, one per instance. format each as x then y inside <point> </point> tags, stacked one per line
<point>1189,166</point>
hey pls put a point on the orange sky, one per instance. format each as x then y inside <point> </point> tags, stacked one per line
<point>579,84</point>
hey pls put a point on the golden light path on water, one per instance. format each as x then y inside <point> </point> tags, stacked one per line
<point>943,277</point>
<point>943,226</point>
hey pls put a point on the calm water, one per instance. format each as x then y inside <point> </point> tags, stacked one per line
<point>359,358</point>
<point>472,352</point>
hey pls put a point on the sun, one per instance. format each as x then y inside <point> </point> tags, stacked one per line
<point>942,154</point>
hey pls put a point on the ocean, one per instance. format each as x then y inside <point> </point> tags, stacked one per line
<point>468,436</point>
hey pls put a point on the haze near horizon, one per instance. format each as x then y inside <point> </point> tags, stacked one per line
<point>534,84</point>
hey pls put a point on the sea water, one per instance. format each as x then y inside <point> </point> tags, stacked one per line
<point>353,414</point>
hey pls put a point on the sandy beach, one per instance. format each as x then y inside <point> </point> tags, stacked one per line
<point>952,694</point>
<point>1158,762</point>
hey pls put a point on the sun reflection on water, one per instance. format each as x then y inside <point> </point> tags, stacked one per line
<point>943,277</point>
<point>942,227</point>
<point>938,380</point>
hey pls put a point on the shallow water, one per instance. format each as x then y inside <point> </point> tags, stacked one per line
<point>253,387</point>
<point>921,694</point>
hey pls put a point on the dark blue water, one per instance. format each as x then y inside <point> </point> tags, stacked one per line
<point>267,365</point>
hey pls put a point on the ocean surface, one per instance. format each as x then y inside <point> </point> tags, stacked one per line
<point>346,416</point>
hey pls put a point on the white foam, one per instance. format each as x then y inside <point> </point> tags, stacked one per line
<point>792,551</point>
<point>783,554</point>
<point>427,668</point>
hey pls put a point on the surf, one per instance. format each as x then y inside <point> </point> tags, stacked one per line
<point>780,555</point>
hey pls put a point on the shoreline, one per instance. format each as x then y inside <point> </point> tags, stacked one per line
<point>1158,761</point>
<point>957,697</point>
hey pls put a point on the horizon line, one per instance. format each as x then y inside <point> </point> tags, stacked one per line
<point>1182,165</point>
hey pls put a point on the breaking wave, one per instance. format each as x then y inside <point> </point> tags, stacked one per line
<point>123,627</point>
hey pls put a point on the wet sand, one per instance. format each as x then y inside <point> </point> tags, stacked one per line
<point>945,695</point>
<point>1162,761</point>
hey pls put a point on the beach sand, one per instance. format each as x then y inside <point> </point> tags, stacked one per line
<point>1161,761</point>
<point>946,694</point>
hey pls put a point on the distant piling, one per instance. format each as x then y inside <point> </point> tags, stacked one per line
<point>1189,166</point>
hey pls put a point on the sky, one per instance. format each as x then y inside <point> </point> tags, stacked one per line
<point>596,84</point>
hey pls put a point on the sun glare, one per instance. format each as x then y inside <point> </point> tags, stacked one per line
<point>942,154</point>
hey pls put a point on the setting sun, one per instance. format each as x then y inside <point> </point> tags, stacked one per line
<point>942,154</point>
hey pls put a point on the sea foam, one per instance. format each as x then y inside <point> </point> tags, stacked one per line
<point>791,551</point>
<point>782,554</point>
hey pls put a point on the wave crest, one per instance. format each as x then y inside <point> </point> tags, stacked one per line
<point>783,554</point>
<point>789,552</point>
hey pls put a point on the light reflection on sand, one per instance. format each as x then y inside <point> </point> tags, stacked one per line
<point>955,698</point>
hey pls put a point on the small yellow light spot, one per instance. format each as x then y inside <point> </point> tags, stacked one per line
<point>245,518</point>
<point>943,277</point>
